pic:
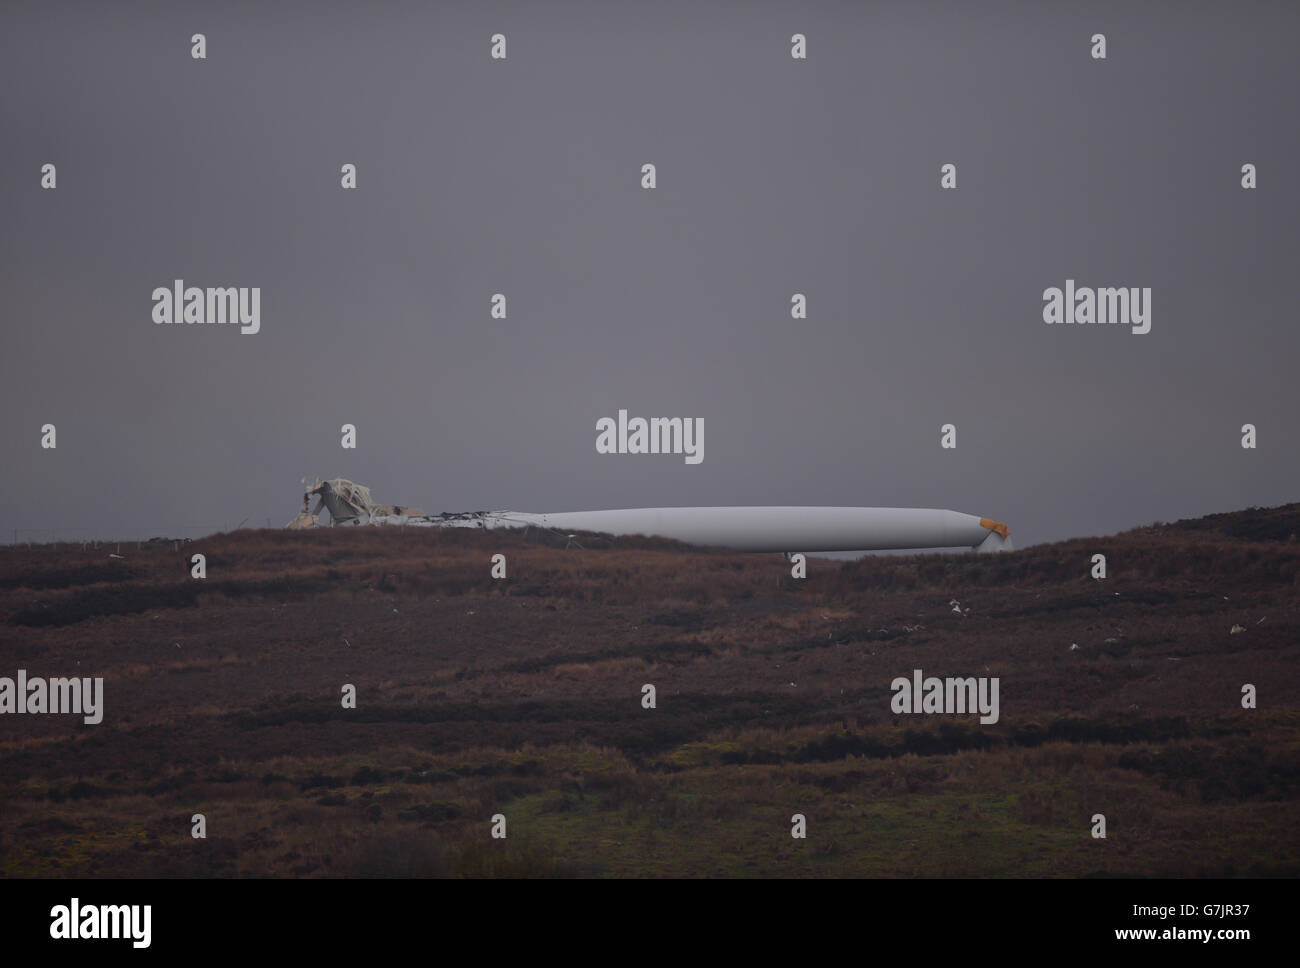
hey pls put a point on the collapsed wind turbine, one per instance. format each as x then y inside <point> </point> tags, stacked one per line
<point>779,529</point>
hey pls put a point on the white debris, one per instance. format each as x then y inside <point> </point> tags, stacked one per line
<point>1074,646</point>
<point>347,503</point>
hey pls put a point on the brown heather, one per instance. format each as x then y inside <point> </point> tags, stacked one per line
<point>522,697</point>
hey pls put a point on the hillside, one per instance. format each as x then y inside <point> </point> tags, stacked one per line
<point>522,697</point>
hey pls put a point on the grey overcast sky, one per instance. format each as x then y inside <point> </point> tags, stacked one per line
<point>522,176</point>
